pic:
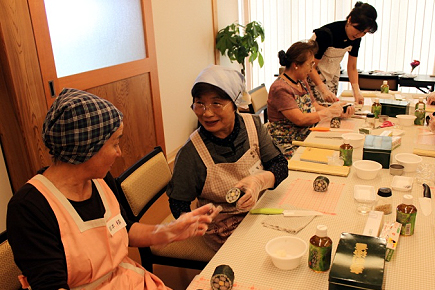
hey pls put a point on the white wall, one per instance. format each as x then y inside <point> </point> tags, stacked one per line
<point>185,46</point>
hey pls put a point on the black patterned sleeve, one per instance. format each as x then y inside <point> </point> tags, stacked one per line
<point>279,167</point>
<point>178,207</point>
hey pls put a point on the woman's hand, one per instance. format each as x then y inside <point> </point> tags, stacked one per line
<point>328,96</point>
<point>194,223</point>
<point>431,99</point>
<point>350,110</point>
<point>252,185</point>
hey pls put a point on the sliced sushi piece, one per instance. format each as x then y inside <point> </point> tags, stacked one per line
<point>223,278</point>
<point>321,183</point>
<point>234,194</point>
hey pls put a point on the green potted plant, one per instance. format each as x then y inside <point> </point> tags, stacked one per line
<point>240,42</point>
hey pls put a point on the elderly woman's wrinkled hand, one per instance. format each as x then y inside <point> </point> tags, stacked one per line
<point>194,223</point>
<point>350,110</point>
<point>431,99</point>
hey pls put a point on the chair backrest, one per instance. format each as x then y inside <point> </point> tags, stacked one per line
<point>374,82</point>
<point>259,101</point>
<point>143,183</point>
<point>8,269</point>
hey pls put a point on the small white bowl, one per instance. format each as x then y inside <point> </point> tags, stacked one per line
<point>367,169</point>
<point>286,251</point>
<point>406,120</point>
<point>409,161</point>
<point>355,139</point>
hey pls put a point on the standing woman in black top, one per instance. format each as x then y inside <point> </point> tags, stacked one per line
<point>334,40</point>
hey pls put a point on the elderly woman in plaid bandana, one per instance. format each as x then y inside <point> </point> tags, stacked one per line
<point>229,154</point>
<point>65,226</point>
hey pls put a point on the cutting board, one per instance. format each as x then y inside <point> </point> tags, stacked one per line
<point>318,168</point>
<point>316,155</point>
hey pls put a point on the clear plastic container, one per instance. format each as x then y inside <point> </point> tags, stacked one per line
<point>384,200</point>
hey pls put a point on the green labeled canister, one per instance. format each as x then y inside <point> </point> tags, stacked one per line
<point>319,257</point>
<point>406,213</point>
<point>346,152</point>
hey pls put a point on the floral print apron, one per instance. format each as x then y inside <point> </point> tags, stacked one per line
<point>328,69</point>
<point>284,131</point>
<point>222,177</point>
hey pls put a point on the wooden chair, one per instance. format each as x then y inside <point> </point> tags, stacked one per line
<point>8,269</point>
<point>374,82</point>
<point>139,188</point>
<point>259,101</point>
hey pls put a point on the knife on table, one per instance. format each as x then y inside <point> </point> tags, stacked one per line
<point>426,201</point>
<point>285,212</point>
<point>327,129</point>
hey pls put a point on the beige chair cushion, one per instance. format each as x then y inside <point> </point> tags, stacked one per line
<point>259,97</point>
<point>141,186</point>
<point>8,270</point>
<point>190,249</point>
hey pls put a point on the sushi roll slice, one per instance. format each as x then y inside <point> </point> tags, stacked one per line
<point>234,194</point>
<point>321,183</point>
<point>223,278</point>
<point>335,122</point>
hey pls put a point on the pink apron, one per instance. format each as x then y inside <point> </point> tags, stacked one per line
<point>222,177</point>
<point>96,251</point>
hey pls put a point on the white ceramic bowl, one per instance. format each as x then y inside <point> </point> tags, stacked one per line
<point>286,251</point>
<point>367,169</point>
<point>355,139</point>
<point>409,161</point>
<point>406,120</point>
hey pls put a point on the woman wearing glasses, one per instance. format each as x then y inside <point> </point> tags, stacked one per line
<point>291,107</point>
<point>229,150</point>
<point>334,40</point>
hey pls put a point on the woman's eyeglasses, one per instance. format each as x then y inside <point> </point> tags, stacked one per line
<point>200,108</point>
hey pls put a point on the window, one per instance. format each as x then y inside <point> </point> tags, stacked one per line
<point>406,31</point>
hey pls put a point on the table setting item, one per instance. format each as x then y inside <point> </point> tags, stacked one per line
<point>405,120</point>
<point>284,212</point>
<point>396,169</point>
<point>356,140</point>
<point>364,197</point>
<point>426,201</point>
<point>286,252</point>
<point>367,169</point>
<point>402,183</point>
<point>410,161</point>
<point>298,165</point>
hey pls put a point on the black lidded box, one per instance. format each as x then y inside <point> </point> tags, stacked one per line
<point>378,148</point>
<point>393,107</point>
<point>358,263</point>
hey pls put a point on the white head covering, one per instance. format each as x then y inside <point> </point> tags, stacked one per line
<point>229,80</point>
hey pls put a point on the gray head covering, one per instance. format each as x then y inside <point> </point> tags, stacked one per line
<point>229,80</point>
<point>78,124</point>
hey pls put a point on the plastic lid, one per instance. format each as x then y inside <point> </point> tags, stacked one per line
<point>384,191</point>
<point>385,83</point>
<point>322,231</point>
<point>407,199</point>
<point>370,115</point>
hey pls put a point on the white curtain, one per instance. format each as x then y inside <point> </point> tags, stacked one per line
<point>406,31</point>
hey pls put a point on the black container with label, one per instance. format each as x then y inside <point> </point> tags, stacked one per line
<point>393,107</point>
<point>378,148</point>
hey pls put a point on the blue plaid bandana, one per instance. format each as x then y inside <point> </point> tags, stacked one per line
<point>78,124</point>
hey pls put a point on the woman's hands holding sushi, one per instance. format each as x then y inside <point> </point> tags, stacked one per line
<point>252,185</point>
<point>194,223</point>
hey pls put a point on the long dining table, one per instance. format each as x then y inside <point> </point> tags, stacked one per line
<point>244,251</point>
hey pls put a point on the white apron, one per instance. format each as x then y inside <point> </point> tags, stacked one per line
<point>328,69</point>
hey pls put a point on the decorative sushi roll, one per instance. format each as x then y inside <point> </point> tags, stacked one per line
<point>234,194</point>
<point>223,278</point>
<point>335,122</point>
<point>321,183</point>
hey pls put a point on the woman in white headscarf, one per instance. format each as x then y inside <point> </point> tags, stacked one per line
<point>229,150</point>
